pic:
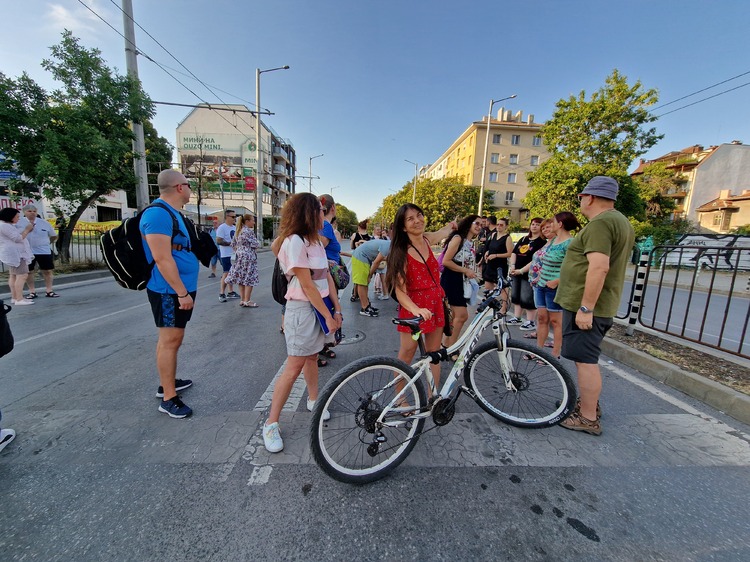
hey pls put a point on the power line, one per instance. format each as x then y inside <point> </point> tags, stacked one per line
<point>704,99</point>
<point>161,67</point>
<point>700,91</point>
<point>178,61</point>
<point>212,107</point>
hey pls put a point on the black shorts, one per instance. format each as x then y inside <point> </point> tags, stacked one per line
<point>44,261</point>
<point>522,293</point>
<point>583,346</point>
<point>166,310</point>
<point>226,263</point>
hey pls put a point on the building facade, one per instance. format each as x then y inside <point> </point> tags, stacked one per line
<point>515,148</point>
<point>218,154</point>
<point>702,174</point>
<point>725,213</point>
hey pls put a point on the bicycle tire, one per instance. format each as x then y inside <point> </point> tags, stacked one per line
<point>345,446</point>
<point>545,393</point>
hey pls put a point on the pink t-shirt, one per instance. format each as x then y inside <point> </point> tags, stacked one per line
<point>295,252</point>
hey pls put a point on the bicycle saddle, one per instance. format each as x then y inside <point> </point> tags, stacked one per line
<point>411,323</point>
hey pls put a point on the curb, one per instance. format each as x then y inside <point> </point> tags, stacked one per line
<point>723,398</point>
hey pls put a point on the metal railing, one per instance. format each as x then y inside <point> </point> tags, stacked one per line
<point>84,248</point>
<point>697,293</point>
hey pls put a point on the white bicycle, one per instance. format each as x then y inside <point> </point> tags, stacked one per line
<point>379,404</point>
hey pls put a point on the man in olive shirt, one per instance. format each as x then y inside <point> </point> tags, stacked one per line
<point>591,281</point>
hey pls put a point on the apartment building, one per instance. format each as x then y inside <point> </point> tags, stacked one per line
<point>217,148</point>
<point>515,148</point>
<point>703,175</point>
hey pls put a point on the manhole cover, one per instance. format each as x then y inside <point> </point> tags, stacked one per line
<point>352,336</point>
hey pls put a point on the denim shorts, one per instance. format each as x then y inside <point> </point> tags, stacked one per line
<point>545,298</point>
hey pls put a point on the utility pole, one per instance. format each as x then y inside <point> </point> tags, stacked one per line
<point>139,145</point>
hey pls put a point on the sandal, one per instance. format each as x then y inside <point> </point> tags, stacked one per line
<point>31,296</point>
<point>322,362</point>
<point>50,294</point>
<point>549,344</point>
<point>327,352</point>
<point>530,335</point>
<point>250,304</point>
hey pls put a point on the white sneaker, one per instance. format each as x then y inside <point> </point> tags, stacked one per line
<point>383,297</point>
<point>272,438</point>
<point>6,436</point>
<point>311,405</point>
<point>21,302</point>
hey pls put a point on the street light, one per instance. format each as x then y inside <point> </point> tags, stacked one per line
<point>310,169</point>
<point>416,172</point>
<point>486,148</point>
<point>258,163</point>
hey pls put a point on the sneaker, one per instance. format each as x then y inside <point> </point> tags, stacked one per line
<point>175,408</point>
<point>373,308</point>
<point>311,405</point>
<point>598,409</point>
<point>212,276</point>
<point>272,438</point>
<point>232,295</point>
<point>6,436</point>
<point>528,326</point>
<point>179,385</point>
<point>21,302</point>
<point>383,297</point>
<point>513,321</point>
<point>368,312</point>
<point>577,422</point>
<point>222,297</point>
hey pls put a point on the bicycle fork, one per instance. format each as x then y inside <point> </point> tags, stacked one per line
<point>501,338</point>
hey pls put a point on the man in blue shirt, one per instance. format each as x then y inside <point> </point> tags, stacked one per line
<point>173,284</point>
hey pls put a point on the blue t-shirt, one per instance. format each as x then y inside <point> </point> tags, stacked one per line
<point>368,251</point>
<point>156,221</point>
<point>333,250</point>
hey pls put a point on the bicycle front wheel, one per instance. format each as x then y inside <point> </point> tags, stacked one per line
<point>543,392</point>
<point>352,446</point>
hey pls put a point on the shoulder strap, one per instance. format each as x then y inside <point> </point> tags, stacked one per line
<point>425,263</point>
<point>175,226</point>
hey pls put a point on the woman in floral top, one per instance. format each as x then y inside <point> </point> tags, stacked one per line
<point>244,270</point>
<point>549,313</point>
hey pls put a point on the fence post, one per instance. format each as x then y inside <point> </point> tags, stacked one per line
<point>635,306</point>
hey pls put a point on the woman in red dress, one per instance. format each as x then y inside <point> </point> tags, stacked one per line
<point>413,271</point>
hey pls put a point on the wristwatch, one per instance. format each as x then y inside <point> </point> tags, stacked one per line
<point>586,310</point>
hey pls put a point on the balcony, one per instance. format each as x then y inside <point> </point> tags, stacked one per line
<point>280,154</point>
<point>675,194</point>
<point>279,170</point>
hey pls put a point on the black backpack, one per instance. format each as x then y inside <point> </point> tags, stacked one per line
<point>279,283</point>
<point>122,248</point>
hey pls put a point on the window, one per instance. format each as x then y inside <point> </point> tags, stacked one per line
<point>515,139</point>
<point>535,160</point>
<point>495,158</point>
<point>511,178</point>
<point>527,215</point>
<point>493,177</point>
<point>514,158</point>
<point>496,139</point>
<point>509,195</point>
<point>537,141</point>
<point>717,219</point>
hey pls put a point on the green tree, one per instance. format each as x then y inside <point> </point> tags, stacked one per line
<point>442,200</point>
<point>74,142</point>
<point>346,220</point>
<point>597,136</point>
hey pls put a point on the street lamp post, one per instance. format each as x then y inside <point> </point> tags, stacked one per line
<point>310,169</point>
<point>259,161</point>
<point>416,173</point>
<point>486,148</point>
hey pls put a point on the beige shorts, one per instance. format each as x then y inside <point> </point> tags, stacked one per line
<point>302,331</point>
<point>22,269</point>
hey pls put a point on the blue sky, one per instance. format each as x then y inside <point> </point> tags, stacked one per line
<point>374,83</point>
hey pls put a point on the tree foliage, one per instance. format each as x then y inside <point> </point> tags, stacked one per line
<point>75,142</point>
<point>442,200</point>
<point>597,136</point>
<point>346,219</point>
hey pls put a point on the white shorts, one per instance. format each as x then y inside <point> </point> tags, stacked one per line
<point>302,331</point>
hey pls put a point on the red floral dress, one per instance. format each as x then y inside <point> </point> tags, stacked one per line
<point>425,291</point>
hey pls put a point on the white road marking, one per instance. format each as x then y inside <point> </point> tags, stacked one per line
<point>648,387</point>
<point>295,396</point>
<point>260,475</point>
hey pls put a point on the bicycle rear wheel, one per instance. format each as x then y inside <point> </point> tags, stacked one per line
<point>352,446</point>
<point>544,392</point>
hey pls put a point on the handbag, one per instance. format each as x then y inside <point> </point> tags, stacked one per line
<point>339,273</point>
<point>447,310</point>
<point>6,336</point>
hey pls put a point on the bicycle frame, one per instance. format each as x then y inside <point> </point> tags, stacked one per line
<point>464,346</point>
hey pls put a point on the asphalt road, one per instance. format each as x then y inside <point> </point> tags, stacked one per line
<point>96,473</point>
